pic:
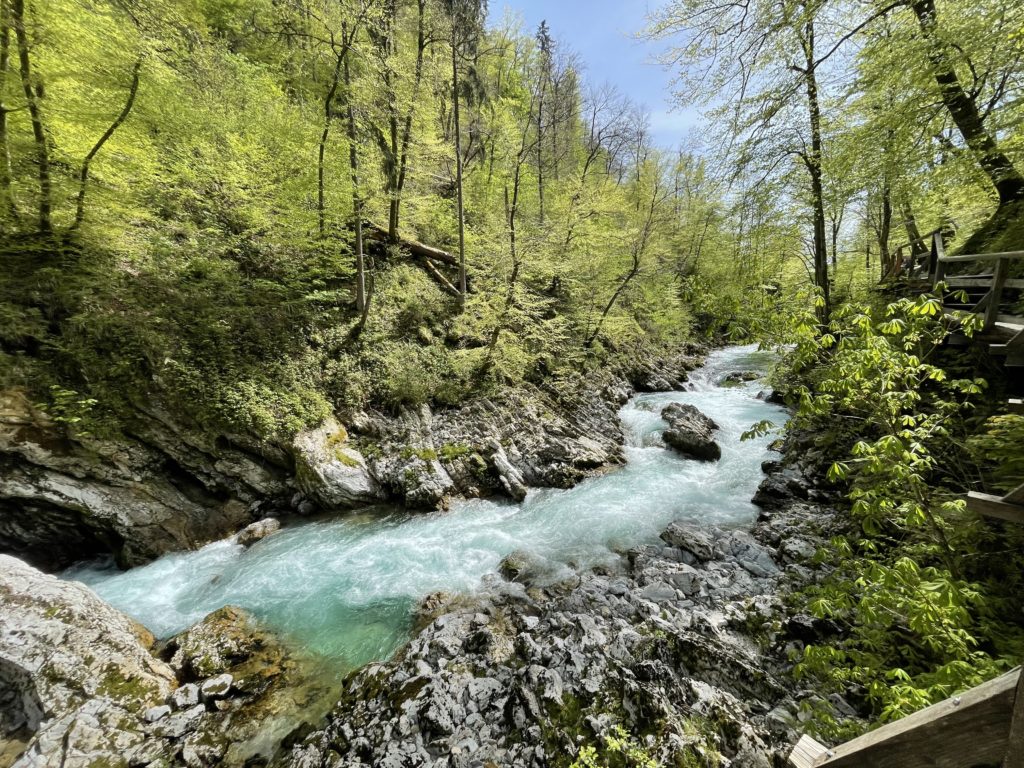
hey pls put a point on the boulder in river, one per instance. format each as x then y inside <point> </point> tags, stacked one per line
<point>258,531</point>
<point>736,378</point>
<point>690,432</point>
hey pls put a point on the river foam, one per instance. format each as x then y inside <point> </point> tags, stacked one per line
<point>346,587</point>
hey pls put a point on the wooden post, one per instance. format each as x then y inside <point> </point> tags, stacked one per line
<point>998,282</point>
<point>940,253</point>
<point>1015,743</point>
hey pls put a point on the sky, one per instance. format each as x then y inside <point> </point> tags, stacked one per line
<point>602,33</point>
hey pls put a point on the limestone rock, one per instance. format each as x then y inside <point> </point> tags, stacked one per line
<point>185,697</point>
<point>223,639</point>
<point>690,432</point>
<point>74,676</point>
<point>62,500</point>
<point>216,687</point>
<point>330,471</point>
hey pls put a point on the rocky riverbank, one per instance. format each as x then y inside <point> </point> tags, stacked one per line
<point>685,645</point>
<point>165,484</point>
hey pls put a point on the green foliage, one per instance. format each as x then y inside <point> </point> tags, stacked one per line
<point>913,587</point>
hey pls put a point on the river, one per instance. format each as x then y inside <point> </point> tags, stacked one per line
<point>346,587</point>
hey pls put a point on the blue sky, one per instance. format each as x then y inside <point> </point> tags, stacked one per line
<point>601,32</point>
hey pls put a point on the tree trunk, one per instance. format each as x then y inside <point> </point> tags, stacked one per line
<point>362,299</point>
<point>402,149</point>
<point>813,160</point>
<point>964,110</point>
<point>638,250</point>
<point>35,114</point>
<point>6,175</point>
<point>458,170</point>
<point>321,205</point>
<point>83,175</point>
<point>890,262</point>
<point>918,247</point>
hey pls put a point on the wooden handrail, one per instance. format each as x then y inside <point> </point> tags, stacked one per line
<point>977,727</point>
<point>983,257</point>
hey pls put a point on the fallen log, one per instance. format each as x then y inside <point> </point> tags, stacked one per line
<point>380,235</point>
<point>441,280</point>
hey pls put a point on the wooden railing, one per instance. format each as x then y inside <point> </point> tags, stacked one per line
<point>982,726</point>
<point>931,268</point>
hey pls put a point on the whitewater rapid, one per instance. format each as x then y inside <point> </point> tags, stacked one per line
<point>346,587</point>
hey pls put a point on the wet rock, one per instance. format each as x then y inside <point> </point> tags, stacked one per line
<point>258,531</point>
<point>690,432</point>
<point>329,470</point>
<point>700,541</point>
<point>528,568</point>
<point>739,377</point>
<point>223,639</point>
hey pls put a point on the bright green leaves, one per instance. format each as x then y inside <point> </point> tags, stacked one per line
<point>916,627</point>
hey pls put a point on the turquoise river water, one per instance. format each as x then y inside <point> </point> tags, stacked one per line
<point>346,587</point>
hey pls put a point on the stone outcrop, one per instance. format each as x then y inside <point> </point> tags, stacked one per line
<point>686,641</point>
<point>80,688</point>
<point>690,432</point>
<point>333,473</point>
<point>159,489</point>
<point>75,673</point>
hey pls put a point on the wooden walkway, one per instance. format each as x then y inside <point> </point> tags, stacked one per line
<point>985,725</point>
<point>1002,333</point>
<point>980,727</point>
<point>985,292</point>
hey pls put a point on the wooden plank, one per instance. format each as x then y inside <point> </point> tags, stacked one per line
<point>1010,322</point>
<point>986,505</point>
<point>966,730</point>
<point>981,282</point>
<point>1016,496</point>
<point>807,752</point>
<point>1013,405</point>
<point>1013,347</point>
<point>1015,743</point>
<point>984,257</point>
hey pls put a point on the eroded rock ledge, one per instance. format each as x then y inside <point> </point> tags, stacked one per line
<point>165,484</point>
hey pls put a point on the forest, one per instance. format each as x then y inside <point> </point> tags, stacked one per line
<point>259,215</point>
